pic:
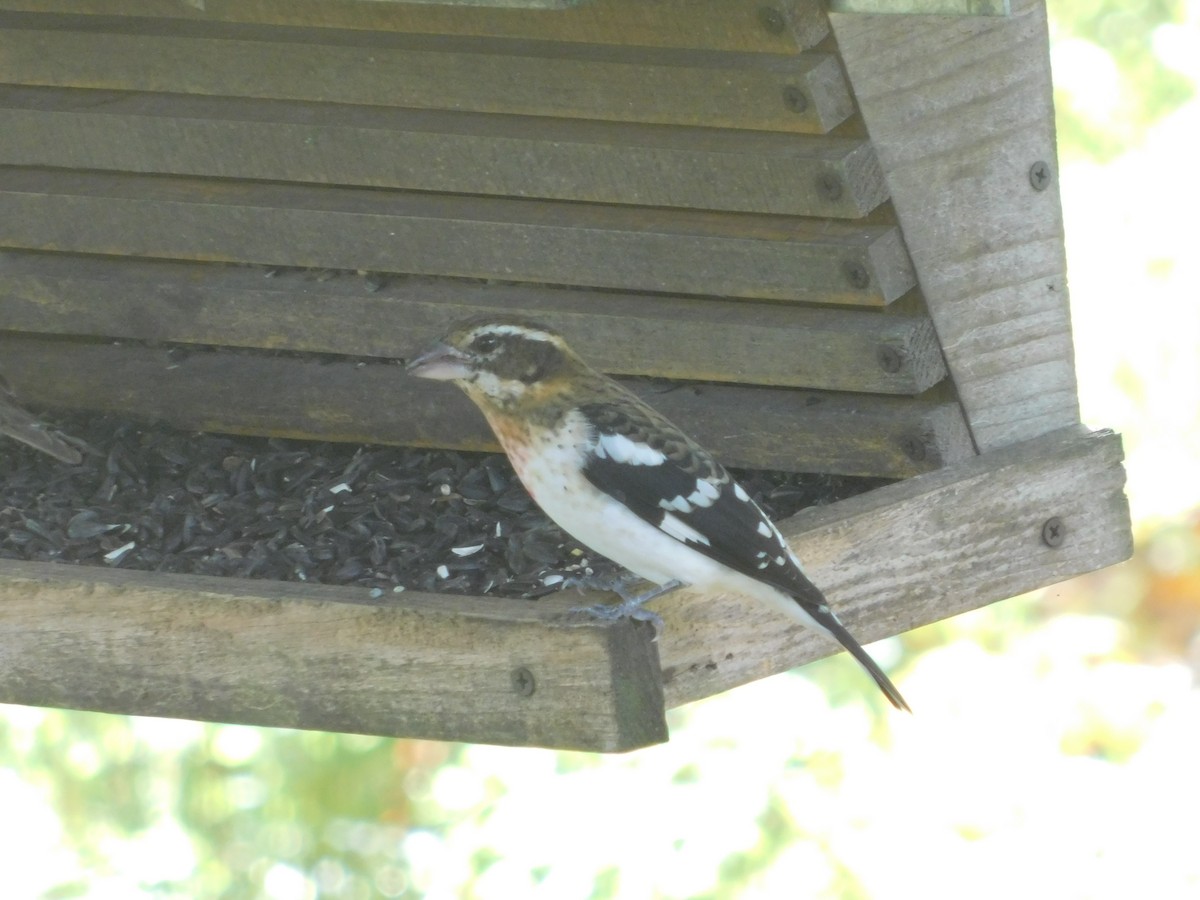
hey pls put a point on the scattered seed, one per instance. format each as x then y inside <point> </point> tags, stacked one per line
<point>114,557</point>
<point>405,518</point>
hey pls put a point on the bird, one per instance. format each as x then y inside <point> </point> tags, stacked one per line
<point>619,477</point>
<point>17,423</point>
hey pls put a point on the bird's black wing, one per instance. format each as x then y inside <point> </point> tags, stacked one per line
<point>688,495</point>
<point>646,463</point>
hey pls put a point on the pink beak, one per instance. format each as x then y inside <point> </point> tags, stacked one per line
<point>441,362</point>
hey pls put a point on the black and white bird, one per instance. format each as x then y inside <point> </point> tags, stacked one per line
<point>615,474</point>
<point>17,423</point>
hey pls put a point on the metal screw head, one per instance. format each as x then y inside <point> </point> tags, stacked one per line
<point>913,446</point>
<point>794,99</point>
<point>1054,532</point>
<point>830,186</point>
<point>1039,175</point>
<point>771,20</point>
<point>523,682</point>
<point>856,273</point>
<point>889,358</point>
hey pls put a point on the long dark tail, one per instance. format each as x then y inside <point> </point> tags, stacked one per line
<point>839,633</point>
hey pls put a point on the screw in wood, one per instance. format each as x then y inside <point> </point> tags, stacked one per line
<point>830,186</point>
<point>1054,532</point>
<point>1039,175</point>
<point>914,447</point>
<point>771,20</point>
<point>889,358</point>
<point>856,273</point>
<point>523,681</point>
<point>794,99</point>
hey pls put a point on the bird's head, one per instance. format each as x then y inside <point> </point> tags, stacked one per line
<point>498,359</point>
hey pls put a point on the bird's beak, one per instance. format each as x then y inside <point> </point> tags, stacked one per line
<point>441,362</point>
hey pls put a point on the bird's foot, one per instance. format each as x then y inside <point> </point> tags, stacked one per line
<point>630,607</point>
<point>619,583</point>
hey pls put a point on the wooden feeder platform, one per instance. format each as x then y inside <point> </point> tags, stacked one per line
<point>840,230</point>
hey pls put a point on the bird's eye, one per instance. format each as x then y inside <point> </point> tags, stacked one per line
<point>485,343</point>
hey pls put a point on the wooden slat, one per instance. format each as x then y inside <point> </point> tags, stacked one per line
<point>677,251</point>
<point>328,658</point>
<point>959,111</point>
<point>923,7</point>
<point>348,400</point>
<point>628,334</point>
<point>442,666</point>
<point>677,87</point>
<point>717,24</point>
<point>913,553</point>
<point>564,159</point>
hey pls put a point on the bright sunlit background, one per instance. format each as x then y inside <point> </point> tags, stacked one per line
<point>1056,749</point>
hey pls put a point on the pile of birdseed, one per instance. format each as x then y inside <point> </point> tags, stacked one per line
<point>387,518</point>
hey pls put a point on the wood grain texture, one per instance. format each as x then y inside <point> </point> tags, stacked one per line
<point>453,152</point>
<point>536,78</point>
<point>628,334</point>
<point>318,657</point>
<point>912,553</point>
<point>646,249</point>
<point>715,24</point>
<point>305,656</point>
<point>350,400</point>
<point>958,111</point>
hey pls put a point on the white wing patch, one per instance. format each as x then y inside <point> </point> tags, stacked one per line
<point>621,449</point>
<point>740,493</point>
<point>681,531</point>
<point>764,528</point>
<point>705,495</point>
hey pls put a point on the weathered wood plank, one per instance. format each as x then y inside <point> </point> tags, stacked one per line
<point>959,111</point>
<point>772,92</point>
<point>648,249</point>
<point>923,7</point>
<point>913,553</point>
<point>627,334</point>
<point>443,666</point>
<point>318,657</point>
<point>563,159</point>
<point>748,25</point>
<point>349,400</point>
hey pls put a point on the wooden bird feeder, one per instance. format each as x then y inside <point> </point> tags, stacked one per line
<point>842,226</point>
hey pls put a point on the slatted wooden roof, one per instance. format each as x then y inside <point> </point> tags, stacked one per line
<point>684,188</point>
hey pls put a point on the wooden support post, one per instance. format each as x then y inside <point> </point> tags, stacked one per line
<point>961,116</point>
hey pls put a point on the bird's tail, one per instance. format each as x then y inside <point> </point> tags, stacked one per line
<point>839,633</point>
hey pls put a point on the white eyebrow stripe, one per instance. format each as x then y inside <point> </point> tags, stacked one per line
<point>621,449</point>
<point>681,531</point>
<point>516,330</point>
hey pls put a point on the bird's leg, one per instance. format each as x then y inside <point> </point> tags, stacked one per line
<point>632,605</point>
<point>618,582</point>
